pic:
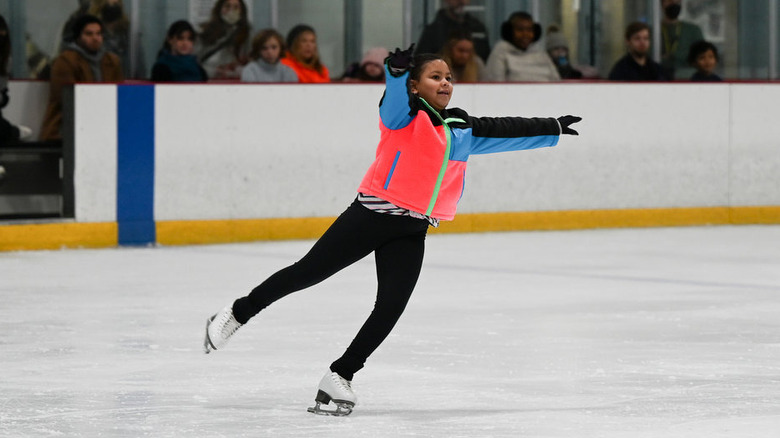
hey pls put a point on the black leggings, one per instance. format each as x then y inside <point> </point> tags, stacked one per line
<point>398,243</point>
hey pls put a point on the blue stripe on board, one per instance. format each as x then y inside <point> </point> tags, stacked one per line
<point>135,164</point>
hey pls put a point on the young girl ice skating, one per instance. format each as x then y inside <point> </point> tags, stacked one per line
<point>415,181</point>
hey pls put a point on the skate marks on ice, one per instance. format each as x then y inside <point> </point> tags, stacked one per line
<point>641,333</point>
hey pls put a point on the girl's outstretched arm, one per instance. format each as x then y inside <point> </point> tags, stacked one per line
<point>498,134</point>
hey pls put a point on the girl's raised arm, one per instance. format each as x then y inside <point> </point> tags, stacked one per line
<point>394,108</point>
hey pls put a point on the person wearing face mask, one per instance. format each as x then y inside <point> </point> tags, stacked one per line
<point>518,57</point>
<point>453,17</point>
<point>84,60</point>
<point>224,42</point>
<point>116,33</point>
<point>558,49</point>
<point>677,37</point>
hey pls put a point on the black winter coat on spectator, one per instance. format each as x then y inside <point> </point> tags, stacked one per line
<point>627,69</point>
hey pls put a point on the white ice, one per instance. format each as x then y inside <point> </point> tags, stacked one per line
<point>666,332</point>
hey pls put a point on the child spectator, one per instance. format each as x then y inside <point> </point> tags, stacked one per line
<point>224,42</point>
<point>459,53</point>
<point>369,69</point>
<point>266,54</point>
<point>703,56</point>
<point>176,63</point>
<point>303,56</point>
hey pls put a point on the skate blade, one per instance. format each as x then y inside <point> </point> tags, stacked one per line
<point>342,409</point>
<point>208,347</point>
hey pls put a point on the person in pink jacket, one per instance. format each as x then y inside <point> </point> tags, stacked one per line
<point>415,181</point>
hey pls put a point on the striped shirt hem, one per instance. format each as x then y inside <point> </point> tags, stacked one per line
<point>379,205</point>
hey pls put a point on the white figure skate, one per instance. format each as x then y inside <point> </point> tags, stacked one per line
<point>219,328</point>
<point>338,390</point>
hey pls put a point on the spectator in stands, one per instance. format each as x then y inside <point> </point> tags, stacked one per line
<point>703,56</point>
<point>459,54</point>
<point>637,65</point>
<point>558,49</point>
<point>516,57</point>
<point>677,38</point>
<point>451,17</point>
<point>9,133</point>
<point>85,60</point>
<point>224,42</point>
<point>370,69</point>
<point>266,54</point>
<point>303,56</point>
<point>116,33</point>
<point>176,61</point>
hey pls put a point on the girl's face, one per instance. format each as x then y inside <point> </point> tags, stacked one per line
<point>435,84</point>
<point>182,43</point>
<point>706,62</point>
<point>306,46</point>
<point>270,51</point>
<point>522,32</point>
<point>462,52</point>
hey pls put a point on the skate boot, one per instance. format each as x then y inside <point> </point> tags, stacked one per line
<point>337,389</point>
<point>219,328</point>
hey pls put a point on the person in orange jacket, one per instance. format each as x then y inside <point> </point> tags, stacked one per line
<point>303,56</point>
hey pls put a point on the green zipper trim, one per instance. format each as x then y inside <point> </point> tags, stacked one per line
<point>446,159</point>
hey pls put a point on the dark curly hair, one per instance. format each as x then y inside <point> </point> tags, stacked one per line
<point>700,47</point>
<point>420,61</point>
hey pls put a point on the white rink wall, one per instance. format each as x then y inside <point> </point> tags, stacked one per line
<point>235,151</point>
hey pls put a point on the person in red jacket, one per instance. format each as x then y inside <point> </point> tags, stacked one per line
<point>415,181</point>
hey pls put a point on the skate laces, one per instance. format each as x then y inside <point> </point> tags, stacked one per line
<point>229,324</point>
<point>342,382</point>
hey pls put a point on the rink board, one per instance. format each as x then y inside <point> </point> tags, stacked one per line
<point>180,164</point>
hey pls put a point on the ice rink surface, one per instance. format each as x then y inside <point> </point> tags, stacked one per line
<point>668,332</point>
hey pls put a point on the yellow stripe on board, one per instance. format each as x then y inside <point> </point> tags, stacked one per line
<point>97,235</point>
<point>57,236</point>
<point>240,230</point>
<point>221,231</point>
<point>584,219</point>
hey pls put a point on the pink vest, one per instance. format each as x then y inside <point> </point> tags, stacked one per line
<point>412,169</point>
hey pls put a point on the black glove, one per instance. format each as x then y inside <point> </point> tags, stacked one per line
<point>401,60</point>
<point>565,121</point>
